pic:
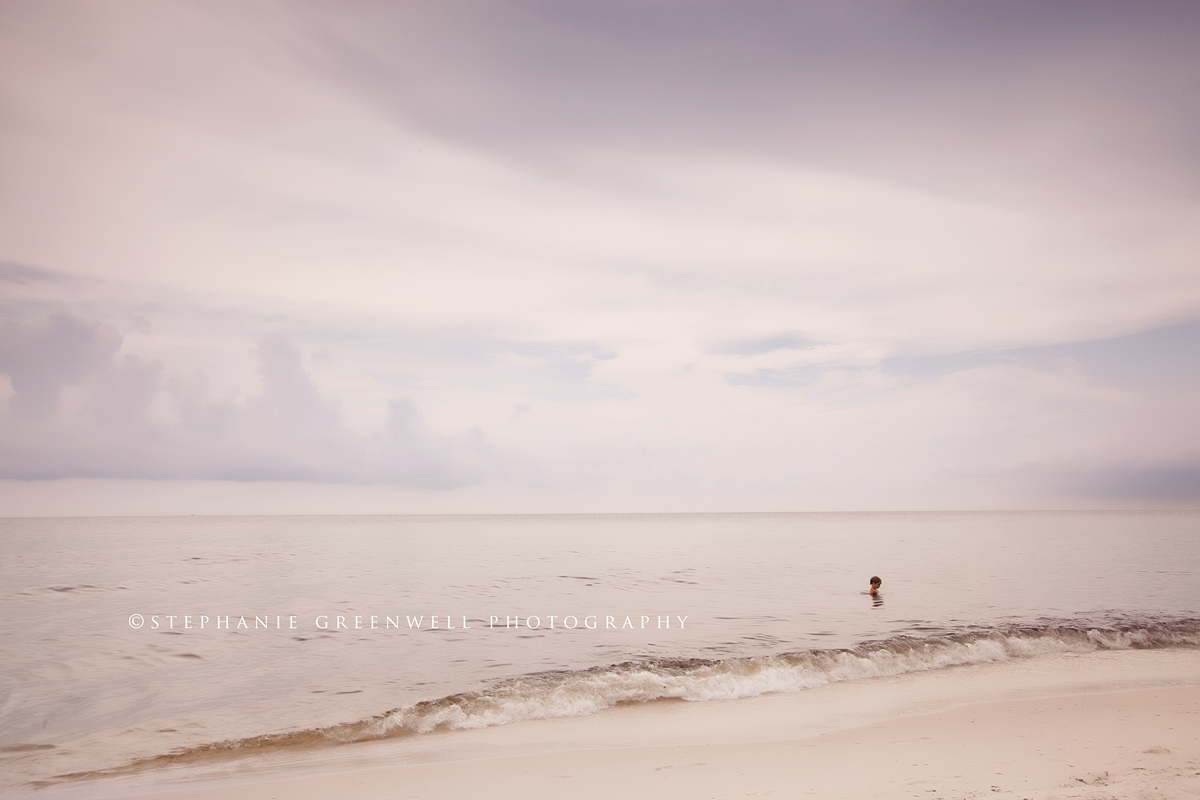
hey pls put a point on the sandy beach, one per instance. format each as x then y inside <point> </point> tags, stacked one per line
<point>1143,744</point>
<point>864,738</point>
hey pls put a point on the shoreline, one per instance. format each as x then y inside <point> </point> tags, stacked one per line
<point>1143,743</point>
<point>1124,724</point>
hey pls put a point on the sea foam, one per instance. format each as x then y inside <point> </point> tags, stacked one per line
<point>581,692</point>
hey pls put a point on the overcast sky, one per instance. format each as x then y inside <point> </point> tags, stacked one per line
<point>603,256</point>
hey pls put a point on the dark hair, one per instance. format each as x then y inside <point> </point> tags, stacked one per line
<point>875,580</point>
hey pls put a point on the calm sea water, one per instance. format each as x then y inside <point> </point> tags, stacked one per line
<point>535,616</point>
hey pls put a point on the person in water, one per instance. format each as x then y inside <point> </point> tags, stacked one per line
<point>875,584</point>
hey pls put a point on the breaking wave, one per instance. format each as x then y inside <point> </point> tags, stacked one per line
<point>581,692</point>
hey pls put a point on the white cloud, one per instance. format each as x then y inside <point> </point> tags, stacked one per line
<point>287,431</point>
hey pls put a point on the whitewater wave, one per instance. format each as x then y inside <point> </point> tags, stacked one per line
<point>578,693</point>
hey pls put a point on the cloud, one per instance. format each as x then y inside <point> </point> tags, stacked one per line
<point>409,454</point>
<point>769,344</point>
<point>833,254</point>
<point>548,172</point>
<point>289,401</point>
<point>922,92</point>
<point>1178,481</point>
<point>127,419</point>
<point>44,355</point>
<point>1173,481</point>
<point>780,416</point>
<point>21,274</point>
<point>1157,359</point>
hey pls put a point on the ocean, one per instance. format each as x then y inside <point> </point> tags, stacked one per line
<point>131,645</point>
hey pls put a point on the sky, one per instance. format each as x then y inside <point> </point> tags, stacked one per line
<point>556,256</point>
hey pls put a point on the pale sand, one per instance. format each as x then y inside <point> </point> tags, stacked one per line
<point>1140,744</point>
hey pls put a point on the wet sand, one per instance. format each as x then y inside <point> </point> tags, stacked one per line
<point>835,742</point>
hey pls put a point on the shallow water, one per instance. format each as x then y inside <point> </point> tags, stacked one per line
<point>770,602</point>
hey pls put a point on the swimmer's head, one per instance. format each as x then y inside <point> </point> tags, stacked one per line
<point>875,581</point>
